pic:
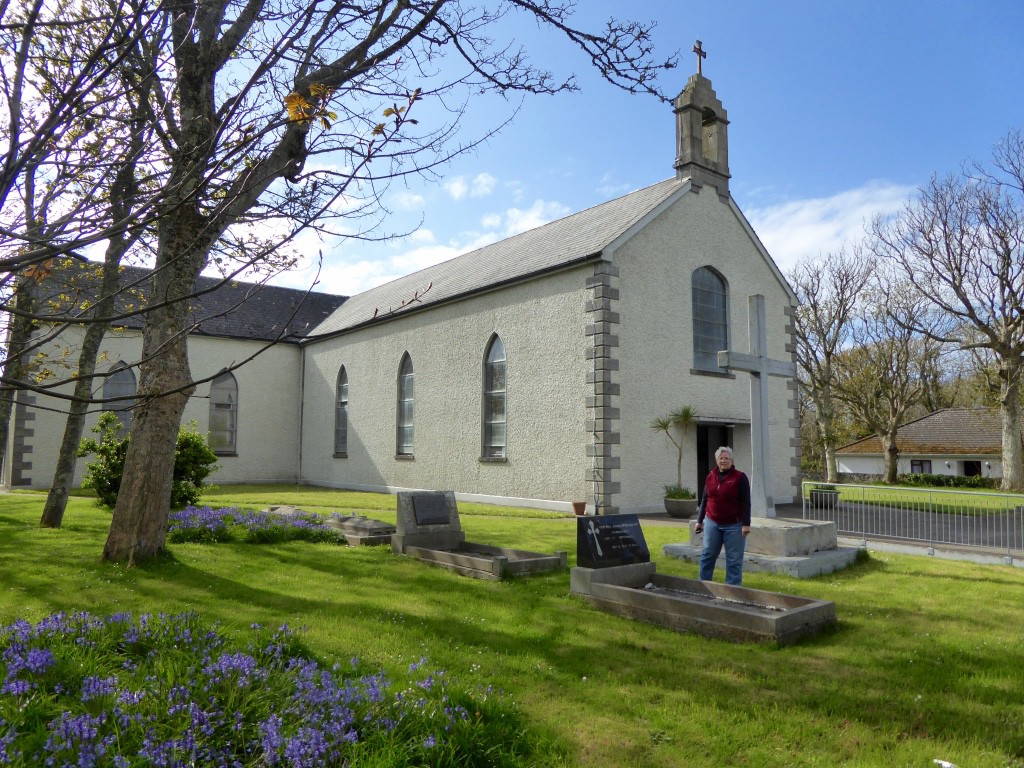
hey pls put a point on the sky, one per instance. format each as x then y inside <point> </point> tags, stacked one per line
<point>838,110</point>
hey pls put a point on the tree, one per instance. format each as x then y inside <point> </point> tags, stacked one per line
<point>248,93</point>
<point>960,246</point>
<point>878,378</point>
<point>828,292</point>
<point>124,191</point>
<point>682,419</point>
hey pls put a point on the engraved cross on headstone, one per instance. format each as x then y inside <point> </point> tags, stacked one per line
<point>701,55</point>
<point>760,367</point>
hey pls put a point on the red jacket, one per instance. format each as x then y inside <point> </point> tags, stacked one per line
<point>726,498</point>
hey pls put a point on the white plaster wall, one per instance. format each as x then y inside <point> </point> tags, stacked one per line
<point>873,465</point>
<point>656,346</point>
<point>860,465</point>
<point>541,324</point>
<point>268,407</point>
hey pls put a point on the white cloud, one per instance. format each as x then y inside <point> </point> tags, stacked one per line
<point>483,185</point>
<point>491,221</point>
<point>456,187</point>
<point>408,201</point>
<point>541,212</point>
<point>422,235</point>
<point>799,229</point>
<point>611,188</point>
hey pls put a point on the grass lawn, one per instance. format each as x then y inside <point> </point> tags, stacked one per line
<point>927,660</point>
<point>948,500</point>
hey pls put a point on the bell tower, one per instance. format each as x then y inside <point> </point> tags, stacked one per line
<point>702,132</point>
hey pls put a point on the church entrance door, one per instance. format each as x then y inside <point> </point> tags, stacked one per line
<point>709,438</point>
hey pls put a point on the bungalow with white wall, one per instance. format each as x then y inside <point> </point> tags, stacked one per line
<point>952,441</point>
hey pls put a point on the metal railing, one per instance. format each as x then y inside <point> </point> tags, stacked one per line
<point>992,522</point>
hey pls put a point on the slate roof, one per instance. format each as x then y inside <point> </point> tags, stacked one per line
<point>949,432</point>
<point>236,309</point>
<point>552,246</point>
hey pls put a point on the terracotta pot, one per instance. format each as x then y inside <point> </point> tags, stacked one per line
<point>579,507</point>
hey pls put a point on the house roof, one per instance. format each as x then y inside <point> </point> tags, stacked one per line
<point>950,431</point>
<point>558,244</point>
<point>231,309</point>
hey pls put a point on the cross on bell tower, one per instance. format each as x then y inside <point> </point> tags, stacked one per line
<point>702,138</point>
<point>701,54</point>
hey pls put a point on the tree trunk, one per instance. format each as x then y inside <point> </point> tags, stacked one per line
<point>1013,460</point>
<point>139,526</point>
<point>890,454</point>
<point>64,476</point>
<point>826,428</point>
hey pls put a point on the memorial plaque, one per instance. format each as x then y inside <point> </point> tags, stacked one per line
<point>430,508</point>
<point>605,541</point>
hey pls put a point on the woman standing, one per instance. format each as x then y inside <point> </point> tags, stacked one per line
<point>725,508</point>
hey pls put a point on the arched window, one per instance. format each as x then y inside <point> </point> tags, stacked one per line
<point>120,384</point>
<point>403,436</point>
<point>710,318</point>
<point>224,414</point>
<point>494,400</point>
<point>341,415</point>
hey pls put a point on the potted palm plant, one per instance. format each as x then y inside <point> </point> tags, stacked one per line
<point>679,500</point>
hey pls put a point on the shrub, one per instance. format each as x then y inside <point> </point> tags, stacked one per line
<point>194,461</point>
<point>947,481</point>
<point>104,473</point>
<point>88,691</point>
<point>678,492</point>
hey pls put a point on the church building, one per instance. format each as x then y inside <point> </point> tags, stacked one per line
<point>527,372</point>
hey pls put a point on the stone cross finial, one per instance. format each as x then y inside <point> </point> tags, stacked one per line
<point>701,54</point>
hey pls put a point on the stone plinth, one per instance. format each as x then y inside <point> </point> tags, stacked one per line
<point>799,548</point>
<point>362,531</point>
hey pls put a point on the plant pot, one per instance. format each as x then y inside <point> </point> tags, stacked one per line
<point>681,507</point>
<point>579,507</point>
<point>822,498</point>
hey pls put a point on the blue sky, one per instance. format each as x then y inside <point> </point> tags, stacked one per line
<point>837,110</point>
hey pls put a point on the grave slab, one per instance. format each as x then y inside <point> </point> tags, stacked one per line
<point>707,608</point>
<point>428,528</point>
<point>614,573</point>
<point>358,530</point>
<point>361,531</point>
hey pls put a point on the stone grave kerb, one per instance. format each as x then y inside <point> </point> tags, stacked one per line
<point>427,519</point>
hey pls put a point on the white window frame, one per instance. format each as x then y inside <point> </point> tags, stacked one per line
<point>224,414</point>
<point>495,401</point>
<point>404,432</point>
<point>710,321</point>
<point>121,384</point>
<point>341,414</point>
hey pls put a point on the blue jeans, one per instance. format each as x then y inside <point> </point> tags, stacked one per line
<point>734,540</point>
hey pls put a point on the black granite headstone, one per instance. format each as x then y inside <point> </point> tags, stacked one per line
<point>603,541</point>
<point>430,508</point>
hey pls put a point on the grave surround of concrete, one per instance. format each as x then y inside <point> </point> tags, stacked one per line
<point>428,528</point>
<point>635,590</point>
